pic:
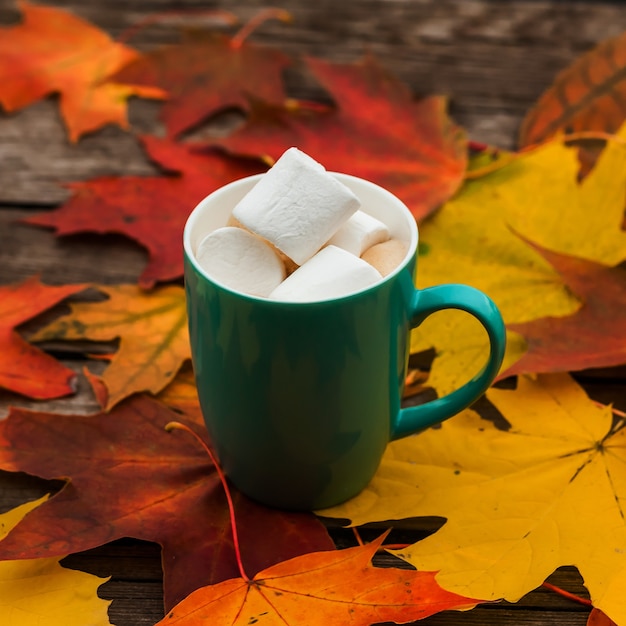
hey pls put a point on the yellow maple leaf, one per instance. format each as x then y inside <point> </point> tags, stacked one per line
<point>541,198</point>
<point>461,346</point>
<point>468,241</point>
<point>53,51</point>
<point>40,591</point>
<point>151,327</point>
<point>474,240</point>
<point>520,502</point>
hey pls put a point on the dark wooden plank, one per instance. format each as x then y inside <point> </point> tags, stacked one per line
<point>125,560</point>
<point>36,156</point>
<point>133,603</point>
<point>26,250</point>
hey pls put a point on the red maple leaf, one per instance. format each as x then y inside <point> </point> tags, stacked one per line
<point>376,130</point>
<point>205,74</point>
<point>25,369</point>
<point>53,51</point>
<point>128,477</point>
<point>152,210</point>
<point>594,336</point>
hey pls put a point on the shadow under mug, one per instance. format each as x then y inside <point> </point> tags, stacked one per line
<point>301,399</point>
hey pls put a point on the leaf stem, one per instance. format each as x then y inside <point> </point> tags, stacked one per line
<point>264,15</point>
<point>231,508</point>
<point>567,594</point>
<point>357,536</point>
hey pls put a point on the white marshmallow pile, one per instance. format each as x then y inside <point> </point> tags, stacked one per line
<point>299,217</point>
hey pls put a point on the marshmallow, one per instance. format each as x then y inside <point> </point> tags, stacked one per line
<point>290,266</point>
<point>297,206</point>
<point>331,273</point>
<point>240,261</point>
<point>359,233</point>
<point>386,256</point>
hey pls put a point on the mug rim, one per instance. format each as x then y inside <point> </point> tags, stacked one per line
<point>193,217</point>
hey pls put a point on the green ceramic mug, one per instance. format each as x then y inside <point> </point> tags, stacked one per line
<point>301,399</point>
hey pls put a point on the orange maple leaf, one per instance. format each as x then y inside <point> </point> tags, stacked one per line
<point>23,368</point>
<point>53,51</point>
<point>587,95</point>
<point>152,331</point>
<point>331,587</point>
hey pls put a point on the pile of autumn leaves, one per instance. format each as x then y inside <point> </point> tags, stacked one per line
<point>528,228</point>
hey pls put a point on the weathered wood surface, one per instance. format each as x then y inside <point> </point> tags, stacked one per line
<point>493,59</point>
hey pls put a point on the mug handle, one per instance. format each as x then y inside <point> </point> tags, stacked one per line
<point>411,420</point>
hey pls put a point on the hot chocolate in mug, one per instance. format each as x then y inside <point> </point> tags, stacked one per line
<point>301,399</point>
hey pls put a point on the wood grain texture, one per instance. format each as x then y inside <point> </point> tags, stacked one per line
<point>492,59</point>
<point>26,250</point>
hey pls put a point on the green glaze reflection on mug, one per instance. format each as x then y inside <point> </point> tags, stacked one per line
<point>301,399</point>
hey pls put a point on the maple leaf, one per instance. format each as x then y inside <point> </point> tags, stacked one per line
<point>151,327</point>
<point>588,95</point>
<point>53,51</point>
<point>128,477</point>
<point>151,210</point>
<point>39,591</point>
<point>377,131</point>
<point>471,240</point>
<point>24,368</point>
<point>208,72</point>
<point>594,336</point>
<point>321,588</point>
<point>519,503</point>
<point>581,218</point>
